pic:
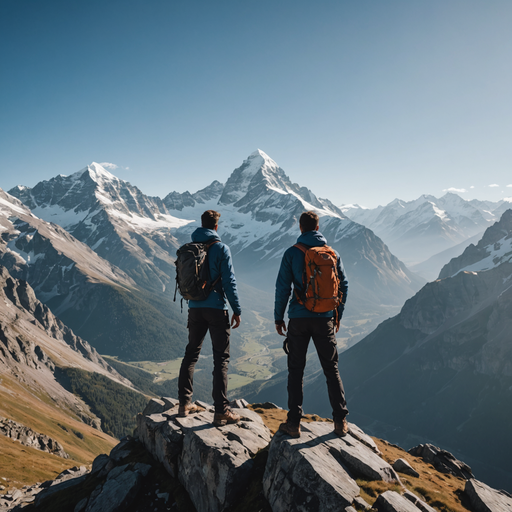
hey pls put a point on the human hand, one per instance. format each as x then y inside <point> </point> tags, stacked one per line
<point>281,328</point>
<point>235,321</point>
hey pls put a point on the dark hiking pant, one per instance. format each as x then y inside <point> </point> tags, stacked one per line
<point>200,321</point>
<point>300,331</point>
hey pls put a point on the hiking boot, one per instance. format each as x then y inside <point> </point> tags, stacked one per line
<point>229,417</point>
<point>293,430</point>
<point>341,427</point>
<point>186,409</point>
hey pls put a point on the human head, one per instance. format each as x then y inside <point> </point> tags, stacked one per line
<point>309,222</point>
<point>210,219</point>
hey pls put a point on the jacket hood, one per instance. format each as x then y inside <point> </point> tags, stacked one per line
<point>312,238</point>
<point>202,235</point>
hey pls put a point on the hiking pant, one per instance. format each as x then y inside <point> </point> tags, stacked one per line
<point>200,321</point>
<point>300,331</point>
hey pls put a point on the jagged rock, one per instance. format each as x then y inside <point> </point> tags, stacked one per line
<point>300,478</point>
<point>154,406</point>
<point>186,446</point>
<point>442,460</point>
<point>402,466</point>
<point>240,403</point>
<point>391,501</point>
<point>485,499</point>
<point>67,479</point>
<point>116,492</point>
<point>356,432</point>
<point>361,504</point>
<point>27,437</point>
<point>419,503</point>
<point>353,454</point>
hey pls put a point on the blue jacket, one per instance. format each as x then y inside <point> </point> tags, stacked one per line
<point>220,263</point>
<point>291,272</point>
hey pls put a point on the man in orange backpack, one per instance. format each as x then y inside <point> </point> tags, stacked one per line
<point>318,299</point>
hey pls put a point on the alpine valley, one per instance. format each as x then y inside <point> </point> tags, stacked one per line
<point>88,282</point>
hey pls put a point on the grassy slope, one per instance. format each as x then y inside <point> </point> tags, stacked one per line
<point>22,465</point>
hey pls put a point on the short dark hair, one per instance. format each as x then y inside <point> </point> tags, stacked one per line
<point>309,221</point>
<point>210,219</point>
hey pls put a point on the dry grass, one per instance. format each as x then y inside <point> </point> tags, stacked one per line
<point>22,465</point>
<point>441,491</point>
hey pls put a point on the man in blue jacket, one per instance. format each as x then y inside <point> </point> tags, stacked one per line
<point>211,315</point>
<point>303,325</point>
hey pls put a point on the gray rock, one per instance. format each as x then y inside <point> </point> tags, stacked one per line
<point>141,468</point>
<point>356,432</point>
<point>57,486</point>
<point>80,506</point>
<point>486,499</point>
<point>361,460</point>
<point>391,501</point>
<point>154,406</point>
<point>170,403</point>
<point>99,463</point>
<point>442,460</point>
<point>402,466</point>
<point>419,503</point>
<point>205,406</point>
<point>27,437</point>
<point>361,504</point>
<point>350,509</point>
<point>187,446</point>
<point>302,475</point>
<point>121,450</point>
<point>116,493</point>
<point>240,403</point>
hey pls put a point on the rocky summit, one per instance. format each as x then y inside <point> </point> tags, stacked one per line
<point>187,464</point>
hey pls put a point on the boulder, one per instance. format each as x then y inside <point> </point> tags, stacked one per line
<point>391,501</point>
<point>442,460</point>
<point>402,466</point>
<point>419,503</point>
<point>352,453</point>
<point>356,432</point>
<point>302,475</point>
<point>486,499</point>
<point>213,463</point>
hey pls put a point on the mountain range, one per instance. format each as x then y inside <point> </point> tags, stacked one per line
<point>260,206</point>
<point>418,230</point>
<point>434,360</point>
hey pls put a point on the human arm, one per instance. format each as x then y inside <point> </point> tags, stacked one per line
<point>283,289</point>
<point>343,289</point>
<point>228,280</point>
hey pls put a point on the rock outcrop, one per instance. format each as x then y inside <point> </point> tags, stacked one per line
<point>213,463</point>
<point>442,460</point>
<point>486,499</point>
<point>27,437</point>
<point>187,464</point>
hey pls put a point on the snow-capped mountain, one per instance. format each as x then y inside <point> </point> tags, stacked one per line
<point>92,296</point>
<point>494,248</point>
<point>260,208</point>
<point>419,229</point>
<point>122,225</point>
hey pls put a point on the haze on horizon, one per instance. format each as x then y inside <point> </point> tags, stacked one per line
<point>361,102</point>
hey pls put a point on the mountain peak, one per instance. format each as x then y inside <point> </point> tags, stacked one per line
<point>98,173</point>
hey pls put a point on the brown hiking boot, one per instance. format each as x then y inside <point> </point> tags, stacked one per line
<point>186,409</point>
<point>289,428</point>
<point>341,427</point>
<point>229,417</point>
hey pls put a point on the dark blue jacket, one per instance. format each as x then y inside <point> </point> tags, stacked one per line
<point>291,272</point>
<point>220,263</point>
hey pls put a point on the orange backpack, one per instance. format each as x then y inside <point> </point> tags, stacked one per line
<point>320,280</point>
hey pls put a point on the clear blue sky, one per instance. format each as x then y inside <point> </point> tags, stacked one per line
<point>359,100</point>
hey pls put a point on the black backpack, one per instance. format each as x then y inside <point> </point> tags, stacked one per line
<point>192,274</point>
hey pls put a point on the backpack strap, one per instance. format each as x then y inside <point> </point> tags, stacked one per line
<point>208,245</point>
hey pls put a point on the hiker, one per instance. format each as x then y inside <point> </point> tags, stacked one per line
<point>305,323</point>
<point>211,314</point>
